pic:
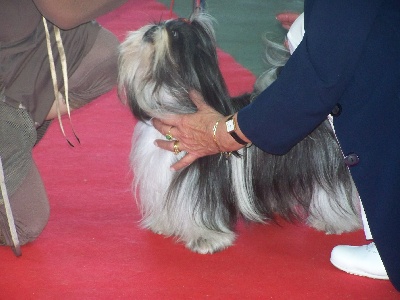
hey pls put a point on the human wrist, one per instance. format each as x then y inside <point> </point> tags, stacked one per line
<point>215,129</point>
<point>224,141</point>
<point>233,130</point>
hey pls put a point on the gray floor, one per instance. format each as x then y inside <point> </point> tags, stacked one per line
<point>241,25</point>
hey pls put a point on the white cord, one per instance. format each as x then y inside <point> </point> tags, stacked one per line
<point>10,217</point>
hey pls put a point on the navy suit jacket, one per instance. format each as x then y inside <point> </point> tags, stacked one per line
<point>349,59</point>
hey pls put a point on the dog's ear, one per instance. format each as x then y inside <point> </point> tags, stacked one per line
<point>195,14</point>
<point>205,21</point>
<point>206,66</point>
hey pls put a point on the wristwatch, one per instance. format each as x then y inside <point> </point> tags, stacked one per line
<point>231,127</point>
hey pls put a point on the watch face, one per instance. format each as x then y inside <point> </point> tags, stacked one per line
<point>230,125</point>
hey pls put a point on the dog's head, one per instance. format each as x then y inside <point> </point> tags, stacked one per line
<point>160,63</point>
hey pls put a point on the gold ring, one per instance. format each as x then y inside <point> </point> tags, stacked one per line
<point>169,136</point>
<point>176,148</point>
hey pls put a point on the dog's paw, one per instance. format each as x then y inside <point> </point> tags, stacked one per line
<point>323,227</point>
<point>157,225</point>
<point>160,230</point>
<point>343,226</point>
<point>211,245</point>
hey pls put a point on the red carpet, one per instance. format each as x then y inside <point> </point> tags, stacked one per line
<point>93,248</point>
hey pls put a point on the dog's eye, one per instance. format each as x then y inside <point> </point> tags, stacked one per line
<point>175,34</point>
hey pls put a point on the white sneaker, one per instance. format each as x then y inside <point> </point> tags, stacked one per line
<point>359,260</point>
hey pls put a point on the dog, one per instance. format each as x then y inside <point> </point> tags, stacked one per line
<point>201,204</point>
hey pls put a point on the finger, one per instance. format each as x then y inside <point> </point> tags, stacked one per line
<point>167,122</point>
<point>286,19</point>
<point>286,44</point>
<point>158,124</point>
<point>176,148</point>
<point>184,162</point>
<point>166,145</point>
<point>164,129</point>
<point>197,99</point>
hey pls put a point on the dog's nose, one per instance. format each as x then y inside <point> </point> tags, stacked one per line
<point>148,36</point>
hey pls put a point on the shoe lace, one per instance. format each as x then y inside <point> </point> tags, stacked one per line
<point>371,248</point>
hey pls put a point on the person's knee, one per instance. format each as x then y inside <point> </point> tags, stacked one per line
<point>30,209</point>
<point>28,231</point>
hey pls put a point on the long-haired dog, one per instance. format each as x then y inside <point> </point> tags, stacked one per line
<point>200,205</point>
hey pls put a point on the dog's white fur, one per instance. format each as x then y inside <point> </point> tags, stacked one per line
<point>200,205</point>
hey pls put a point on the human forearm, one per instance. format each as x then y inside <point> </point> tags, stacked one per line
<point>68,14</point>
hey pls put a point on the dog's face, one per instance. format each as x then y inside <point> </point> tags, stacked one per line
<point>160,63</point>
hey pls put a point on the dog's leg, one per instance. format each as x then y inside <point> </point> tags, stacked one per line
<point>213,242</point>
<point>335,216</point>
<point>242,174</point>
<point>182,215</point>
<point>198,238</point>
<point>152,177</point>
<point>336,213</point>
<point>198,206</point>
